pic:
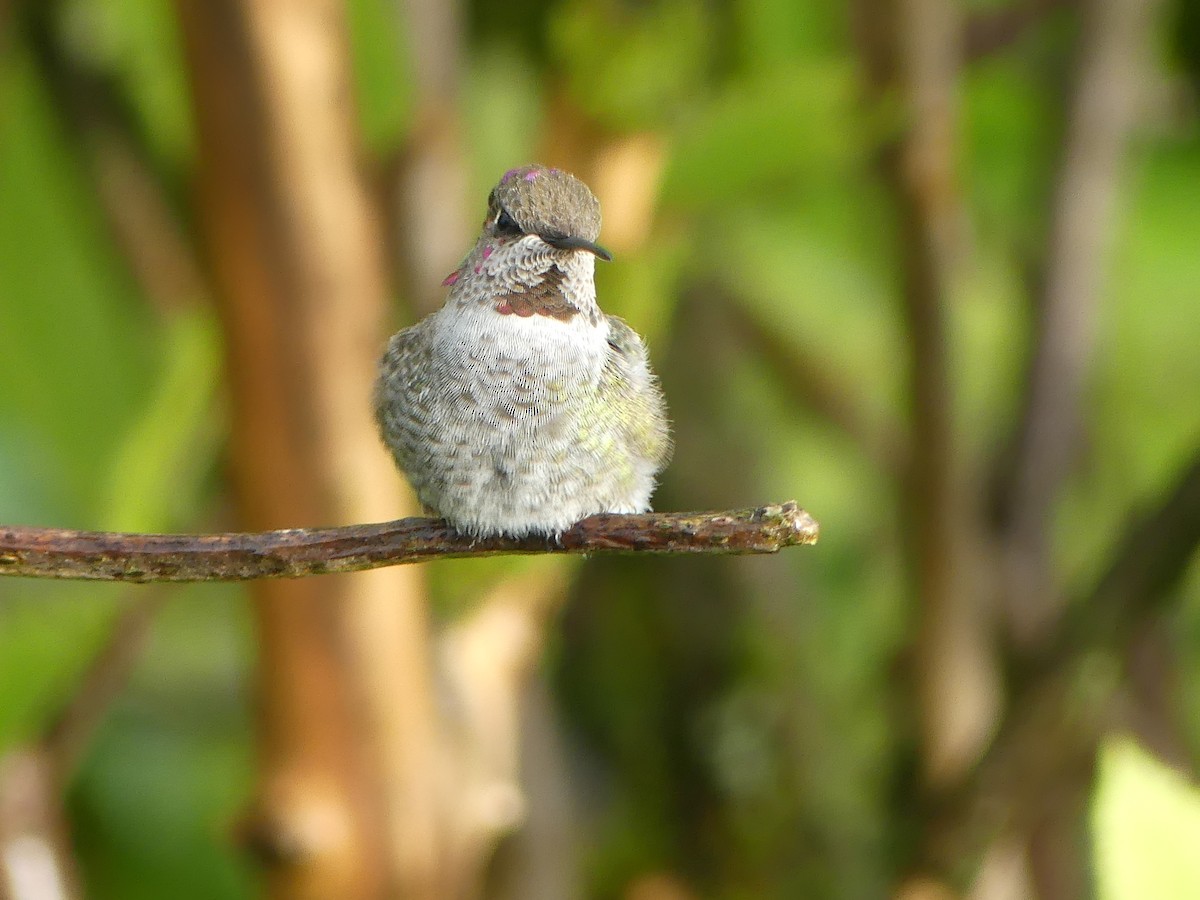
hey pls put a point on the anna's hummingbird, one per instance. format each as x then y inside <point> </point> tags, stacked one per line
<point>519,407</point>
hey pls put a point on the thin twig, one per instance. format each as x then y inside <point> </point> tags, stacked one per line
<point>814,383</point>
<point>298,552</point>
<point>70,733</point>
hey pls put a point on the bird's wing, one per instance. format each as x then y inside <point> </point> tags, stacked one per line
<point>402,402</point>
<point>628,375</point>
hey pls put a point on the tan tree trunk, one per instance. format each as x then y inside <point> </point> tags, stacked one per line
<point>349,801</point>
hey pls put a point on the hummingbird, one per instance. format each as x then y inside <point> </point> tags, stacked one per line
<point>519,407</point>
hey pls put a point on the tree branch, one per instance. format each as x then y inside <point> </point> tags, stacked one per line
<point>298,552</point>
<point>814,383</point>
<point>912,52</point>
<point>1053,725</point>
<point>990,31</point>
<point>1102,115</point>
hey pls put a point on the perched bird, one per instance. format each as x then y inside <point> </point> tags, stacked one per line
<point>519,407</point>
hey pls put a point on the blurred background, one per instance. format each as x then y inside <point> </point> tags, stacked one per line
<point>930,268</point>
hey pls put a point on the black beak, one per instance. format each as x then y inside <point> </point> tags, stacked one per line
<point>578,243</point>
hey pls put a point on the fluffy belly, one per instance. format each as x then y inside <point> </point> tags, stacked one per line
<point>512,436</point>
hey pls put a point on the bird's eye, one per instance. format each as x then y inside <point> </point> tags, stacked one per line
<point>506,224</point>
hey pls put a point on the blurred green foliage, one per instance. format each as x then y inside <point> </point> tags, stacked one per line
<point>736,720</point>
<point>1146,819</point>
<point>631,65</point>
